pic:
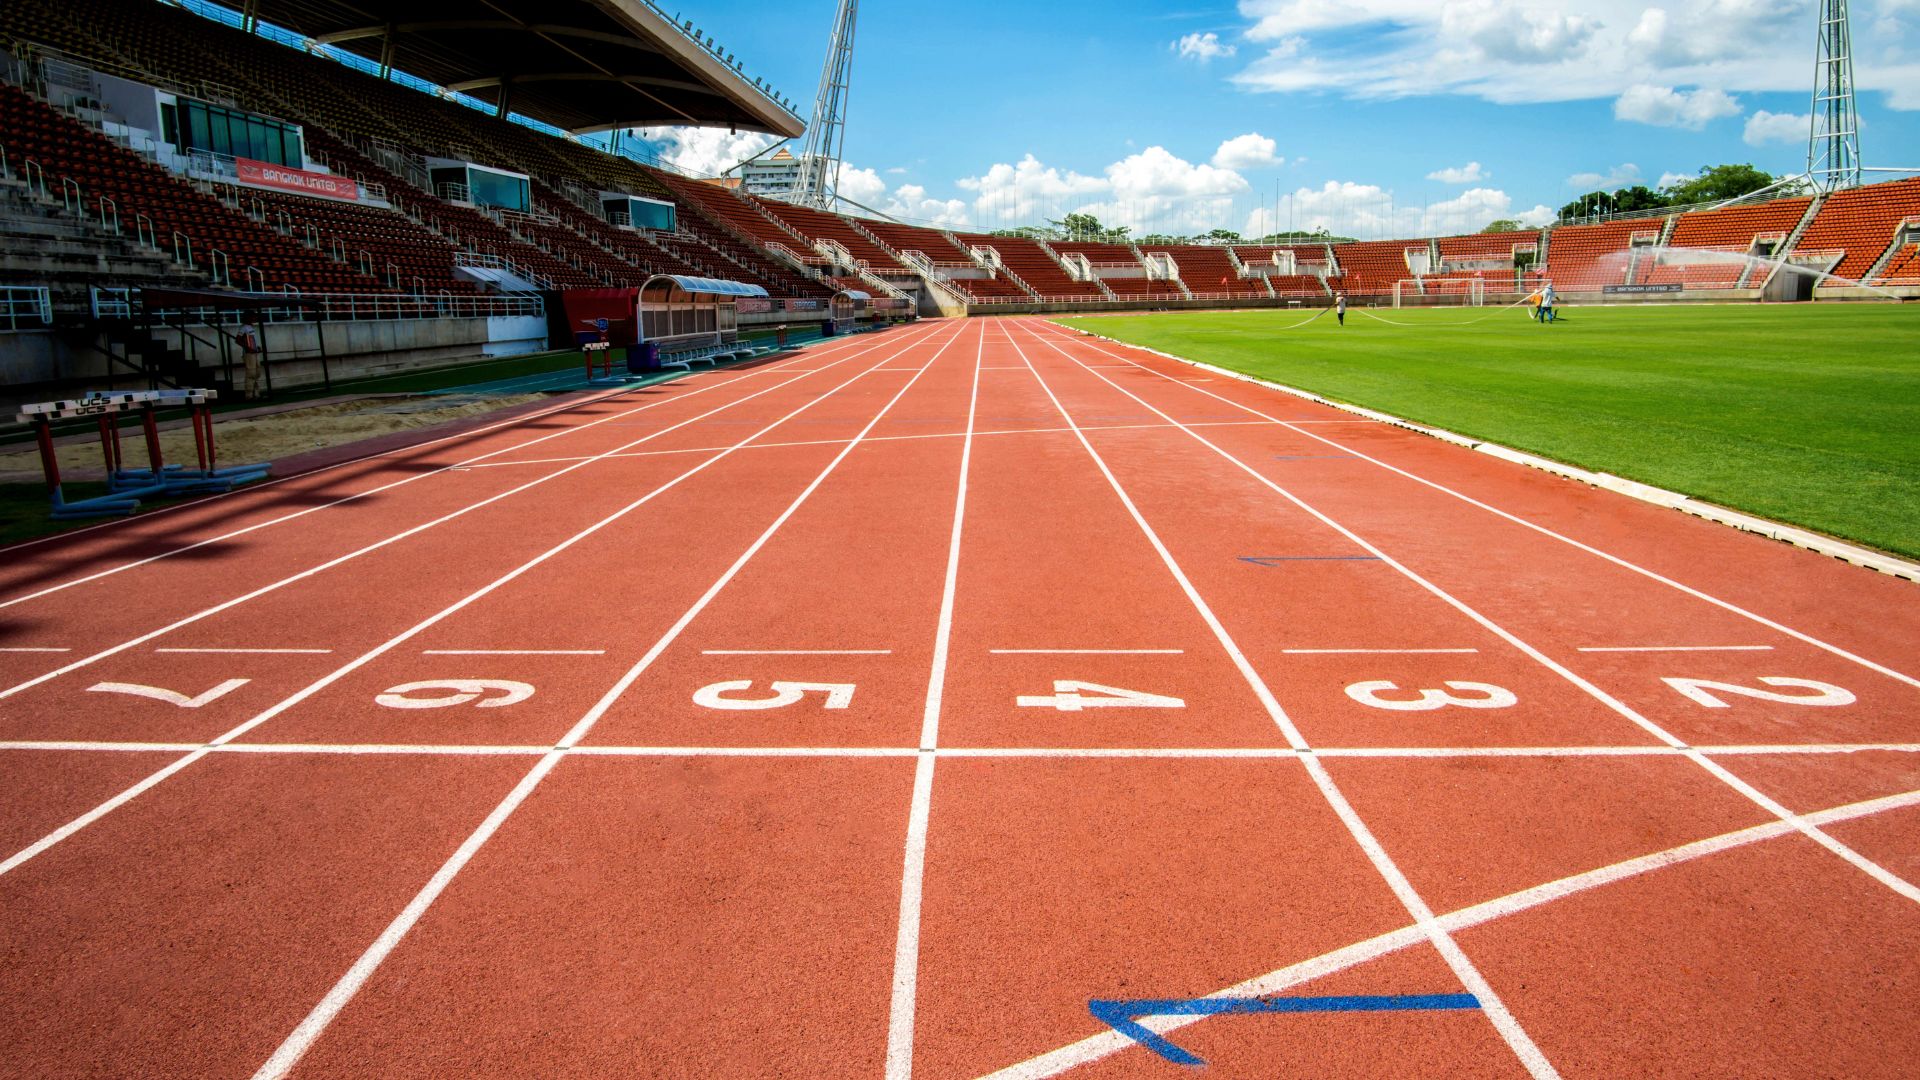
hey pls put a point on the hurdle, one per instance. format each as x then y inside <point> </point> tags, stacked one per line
<point>127,486</point>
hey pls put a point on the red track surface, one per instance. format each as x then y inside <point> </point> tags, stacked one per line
<point>605,865</point>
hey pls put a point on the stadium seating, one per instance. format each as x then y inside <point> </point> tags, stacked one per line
<point>1035,267</point>
<point>1735,228</point>
<point>64,149</point>
<point>1586,258</point>
<point>1485,246</point>
<point>1372,267</point>
<point>1902,269</point>
<point>819,225</point>
<point>929,242</point>
<point>1209,271</point>
<point>1861,222</point>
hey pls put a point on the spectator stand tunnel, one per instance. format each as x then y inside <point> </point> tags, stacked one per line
<point>673,320</point>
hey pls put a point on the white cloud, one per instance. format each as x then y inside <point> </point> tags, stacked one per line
<point>1668,180</point>
<point>704,151</point>
<point>863,186</point>
<point>910,202</point>
<point>1764,127</point>
<point>1617,177</point>
<point>1202,47</point>
<point>1021,192</point>
<point>1663,106</point>
<point>1154,186</point>
<point>1368,212</point>
<point>897,170</point>
<point>1563,50</point>
<point>1470,173</point>
<point>1250,151</point>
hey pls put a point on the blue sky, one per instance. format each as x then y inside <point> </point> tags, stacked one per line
<point>1372,117</point>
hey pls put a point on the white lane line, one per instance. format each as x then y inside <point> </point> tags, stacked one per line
<point>470,462</point>
<point>296,1044</point>
<point>513,652</point>
<point>394,539</point>
<point>1624,564</point>
<point>904,1000</point>
<point>1037,752</point>
<point>1086,652</point>
<point>32,649</point>
<point>1378,652</point>
<point>1495,1010</point>
<point>796,652</point>
<point>250,652</point>
<point>1107,1043</point>
<point>137,789</point>
<point>1678,648</point>
<point>906,957</point>
<point>1865,865</point>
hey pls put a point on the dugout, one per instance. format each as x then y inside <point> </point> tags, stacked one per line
<point>672,319</point>
<point>847,311</point>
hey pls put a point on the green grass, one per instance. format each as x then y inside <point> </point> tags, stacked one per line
<point>1805,414</point>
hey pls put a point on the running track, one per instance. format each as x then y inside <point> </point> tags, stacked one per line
<point>872,711</point>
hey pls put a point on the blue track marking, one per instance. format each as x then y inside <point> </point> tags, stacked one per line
<point>1276,560</point>
<point>1121,1015</point>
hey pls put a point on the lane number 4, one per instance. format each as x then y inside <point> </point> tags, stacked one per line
<point>1071,696</point>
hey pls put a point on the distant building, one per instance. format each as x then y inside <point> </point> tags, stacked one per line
<point>777,172</point>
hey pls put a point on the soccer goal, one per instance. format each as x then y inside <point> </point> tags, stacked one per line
<point>1440,292</point>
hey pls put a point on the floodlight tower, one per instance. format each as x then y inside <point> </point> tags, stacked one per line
<point>1833,146</point>
<point>820,162</point>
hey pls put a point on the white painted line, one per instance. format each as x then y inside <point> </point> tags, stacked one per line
<point>397,537</point>
<point>1378,652</point>
<point>1865,865</point>
<point>289,1052</point>
<point>1495,1010</point>
<point>384,487</point>
<point>903,1004</point>
<point>1679,648</point>
<point>137,789</point>
<point>1012,752</point>
<point>1086,652</point>
<point>251,652</point>
<point>1107,1043</point>
<point>796,652</point>
<point>27,649</point>
<point>513,652</point>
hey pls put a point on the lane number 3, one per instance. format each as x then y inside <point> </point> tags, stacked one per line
<point>1478,695</point>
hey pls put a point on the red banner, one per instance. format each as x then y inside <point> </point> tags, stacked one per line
<point>267,174</point>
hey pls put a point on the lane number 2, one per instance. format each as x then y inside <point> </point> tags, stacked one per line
<point>1479,696</point>
<point>1707,693</point>
<point>838,695</point>
<point>1071,696</point>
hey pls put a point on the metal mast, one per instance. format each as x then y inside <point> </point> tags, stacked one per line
<point>1833,147</point>
<point>820,161</point>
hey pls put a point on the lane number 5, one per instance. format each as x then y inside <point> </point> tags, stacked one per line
<point>839,695</point>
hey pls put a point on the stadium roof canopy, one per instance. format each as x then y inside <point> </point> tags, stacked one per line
<point>580,65</point>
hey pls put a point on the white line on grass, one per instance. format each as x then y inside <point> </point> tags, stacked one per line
<point>906,947</point>
<point>1865,865</point>
<point>296,1044</point>
<point>142,786</point>
<point>1491,1005</point>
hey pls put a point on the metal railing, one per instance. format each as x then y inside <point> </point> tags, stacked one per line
<point>298,307</point>
<point>25,307</point>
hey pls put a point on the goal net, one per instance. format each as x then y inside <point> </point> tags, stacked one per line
<point>1440,292</point>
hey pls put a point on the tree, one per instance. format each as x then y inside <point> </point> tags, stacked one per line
<point>1623,201</point>
<point>1718,183</point>
<point>1223,236</point>
<point>1504,225</point>
<point>1086,227</point>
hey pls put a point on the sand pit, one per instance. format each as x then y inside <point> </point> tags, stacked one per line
<point>269,438</point>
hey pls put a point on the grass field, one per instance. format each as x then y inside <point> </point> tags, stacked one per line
<point>1804,414</point>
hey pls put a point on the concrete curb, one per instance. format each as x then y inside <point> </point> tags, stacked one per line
<point>1633,489</point>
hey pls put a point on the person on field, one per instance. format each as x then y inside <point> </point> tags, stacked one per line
<point>1533,304</point>
<point>1547,313</point>
<point>1340,307</point>
<point>249,339</point>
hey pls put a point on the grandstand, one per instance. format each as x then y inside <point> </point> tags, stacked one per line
<point>96,156</point>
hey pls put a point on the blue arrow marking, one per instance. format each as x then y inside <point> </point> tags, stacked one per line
<point>1121,1015</point>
